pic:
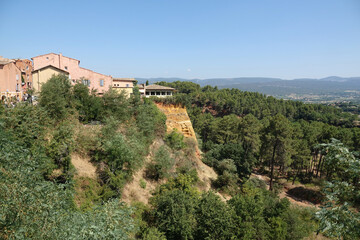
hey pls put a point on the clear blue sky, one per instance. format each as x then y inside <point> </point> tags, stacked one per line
<point>190,38</point>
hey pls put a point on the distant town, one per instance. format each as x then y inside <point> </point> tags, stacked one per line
<point>22,78</point>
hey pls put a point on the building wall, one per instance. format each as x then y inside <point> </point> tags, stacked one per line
<point>26,69</point>
<point>128,91</point>
<point>10,79</point>
<point>123,84</point>
<point>42,76</point>
<point>76,72</point>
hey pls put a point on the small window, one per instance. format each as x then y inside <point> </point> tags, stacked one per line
<point>101,82</point>
<point>152,93</point>
<point>157,93</point>
<point>127,85</point>
<point>17,77</point>
<point>163,93</point>
<point>27,67</point>
<point>86,82</point>
<point>47,57</point>
<point>66,68</point>
<point>147,93</point>
<point>168,93</point>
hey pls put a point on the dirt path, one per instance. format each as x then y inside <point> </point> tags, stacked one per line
<point>284,192</point>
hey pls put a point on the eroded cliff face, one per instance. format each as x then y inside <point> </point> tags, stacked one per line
<point>178,118</point>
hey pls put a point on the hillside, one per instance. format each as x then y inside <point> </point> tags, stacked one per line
<point>80,166</point>
<point>329,89</point>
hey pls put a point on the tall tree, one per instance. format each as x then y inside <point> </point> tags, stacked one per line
<point>277,143</point>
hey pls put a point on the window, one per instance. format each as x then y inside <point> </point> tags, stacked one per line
<point>163,93</point>
<point>127,85</point>
<point>157,93</point>
<point>66,68</point>
<point>47,57</point>
<point>168,93</point>
<point>17,76</point>
<point>27,67</point>
<point>101,82</point>
<point>152,93</point>
<point>86,82</point>
<point>147,93</point>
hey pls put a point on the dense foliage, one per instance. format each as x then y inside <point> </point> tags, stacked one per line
<point>179,211</point>
<point>41,197</point>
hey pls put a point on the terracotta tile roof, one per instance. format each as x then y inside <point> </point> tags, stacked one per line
<point>4,61</point>
<point>158,87</point>
<point>51,66</point>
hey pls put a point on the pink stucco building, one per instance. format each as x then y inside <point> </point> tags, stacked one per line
<point>94,80</point>
<point>10,79</point>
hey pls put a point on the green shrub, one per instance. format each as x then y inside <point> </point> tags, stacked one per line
<point>161,165</point>
<point>174,214</point>
<point>150,121</point>
<point>56,97</point>
<point>215,220</point>
<point>153,234</point>
<point>175,140</point>
<point>88,105</point>
<point>115,105</point>
<point>33,208</point>
<point>61,146</point>
<point>142,184</point>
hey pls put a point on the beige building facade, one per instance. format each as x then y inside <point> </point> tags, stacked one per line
<point>42,75</point>
<point>124,84</point>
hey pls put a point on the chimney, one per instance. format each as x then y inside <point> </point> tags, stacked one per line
<point>60,57</point>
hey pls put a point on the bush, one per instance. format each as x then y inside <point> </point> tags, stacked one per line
<point>115,105</point>
<point>61,145</point>
<point>214,218</point>
<point>150,121</point>
<point>142,184</point>
<point>56,97</point>
<point>175,140</point>
<point>161,165</point>
<point>174,214</point>
<point>88,105</point>
<point>33,208</point>
<point>153,234</point>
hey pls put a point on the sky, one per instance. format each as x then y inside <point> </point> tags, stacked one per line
<point>190,38</point>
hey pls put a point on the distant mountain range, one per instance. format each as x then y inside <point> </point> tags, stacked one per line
<point>306,89</point>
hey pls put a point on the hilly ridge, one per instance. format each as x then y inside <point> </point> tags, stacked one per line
<point>329,89</point>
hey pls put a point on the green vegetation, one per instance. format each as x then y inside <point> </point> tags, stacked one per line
<point>41,197</point>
